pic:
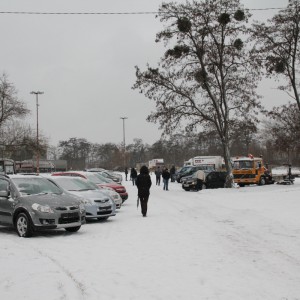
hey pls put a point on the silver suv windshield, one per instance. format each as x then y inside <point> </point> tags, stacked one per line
<point>34,186</point>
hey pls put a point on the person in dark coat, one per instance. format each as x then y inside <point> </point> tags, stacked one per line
<point>133,175</point>
<point>126,173</point>
<point>166,176</point>
<point>158,174</point>
<point>143,183</point>
<point>172,173</point>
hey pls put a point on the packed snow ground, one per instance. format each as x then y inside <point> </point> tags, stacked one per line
<point>232,244</point>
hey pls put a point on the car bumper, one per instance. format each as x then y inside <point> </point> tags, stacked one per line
<point>42,221</point>
<point>118,202</point>
<point>95,211</point>
<point>56,226</point>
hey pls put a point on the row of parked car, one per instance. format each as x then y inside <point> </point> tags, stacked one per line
<point>31,202</point>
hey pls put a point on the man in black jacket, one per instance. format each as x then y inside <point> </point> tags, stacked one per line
<point>143,183</point>
<point>166,177</point>
<point>133,175</point>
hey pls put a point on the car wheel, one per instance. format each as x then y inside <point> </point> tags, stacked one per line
<point>186,189</point>
<point>23,225</point>
<point>262,181</point>
<point>72,229</point>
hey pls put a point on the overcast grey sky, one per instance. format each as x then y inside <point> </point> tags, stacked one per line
<point>84,64</point>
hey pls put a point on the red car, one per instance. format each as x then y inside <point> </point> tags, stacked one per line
<point>98,180</point>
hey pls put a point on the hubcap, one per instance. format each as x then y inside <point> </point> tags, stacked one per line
<point>22,225</point>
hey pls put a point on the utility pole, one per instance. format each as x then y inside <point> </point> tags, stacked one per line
<point>37,131</point>
<point>124,149</point>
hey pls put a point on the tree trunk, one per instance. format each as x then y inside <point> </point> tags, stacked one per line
<point>229,179</point>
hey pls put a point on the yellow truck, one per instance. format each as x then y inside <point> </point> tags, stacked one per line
<point>250,170</point>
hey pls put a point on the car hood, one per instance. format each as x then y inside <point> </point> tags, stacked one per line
<point>113,186</point>
<point>91,194</point>
<point>51,199</point>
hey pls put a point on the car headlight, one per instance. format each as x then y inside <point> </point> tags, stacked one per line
<point>85,202</point>
<point>107,188</point>
<point>42,208</point>
<point>82,207</point>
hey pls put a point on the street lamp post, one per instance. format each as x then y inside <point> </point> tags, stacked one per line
<point>37,131</point>
<point>124,149</point>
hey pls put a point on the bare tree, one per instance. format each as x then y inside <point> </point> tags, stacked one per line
<point>284,130</point>
<point>277,44</point>
<point>18,140</point>
<point>208,78</point>
<point>10,106</point>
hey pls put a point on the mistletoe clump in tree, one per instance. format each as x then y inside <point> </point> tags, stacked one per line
<point>278,46</point>
<point>207,78</point>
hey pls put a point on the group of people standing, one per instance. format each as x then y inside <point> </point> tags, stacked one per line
<point>166,175</point>
<point>143,183</point>
<point>133,175</point>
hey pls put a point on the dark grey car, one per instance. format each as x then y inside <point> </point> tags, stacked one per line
<point>31,203</point>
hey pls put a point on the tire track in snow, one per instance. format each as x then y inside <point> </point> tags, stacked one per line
<point>79,286</point>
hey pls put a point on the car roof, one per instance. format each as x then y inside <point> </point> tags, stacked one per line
<point>14,176</point>
<point>57,177</point>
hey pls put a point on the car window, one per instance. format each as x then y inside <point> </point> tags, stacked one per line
<point>93,178</point>
<point>213,176</point>
<point>74,184</point>
<point>4,184</point>
<point>243,164</point>
<point>32,186</point>
<point>102,178</point>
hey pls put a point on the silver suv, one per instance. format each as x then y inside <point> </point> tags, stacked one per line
<point>31,203</point>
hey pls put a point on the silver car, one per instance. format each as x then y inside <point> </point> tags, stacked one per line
<point>97,203</point>
<point>31,203</point>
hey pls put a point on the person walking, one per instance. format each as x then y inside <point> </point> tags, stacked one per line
<point>200,175</point>
<point>166,176</point>
<point>133,175</point>
<point>172,173</point>
<point>143,183</point>
<point>158,174</point>
<point>126,173</point>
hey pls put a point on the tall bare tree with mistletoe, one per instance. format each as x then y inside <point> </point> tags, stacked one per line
<point>207,78</point>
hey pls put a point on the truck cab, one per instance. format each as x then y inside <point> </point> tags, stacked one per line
<point>250,170</point>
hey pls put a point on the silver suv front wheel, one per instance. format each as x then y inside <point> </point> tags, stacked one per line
<point>23,225</point>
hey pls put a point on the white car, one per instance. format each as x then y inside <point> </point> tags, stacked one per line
<point>113,194</point>
<point>98,203</point>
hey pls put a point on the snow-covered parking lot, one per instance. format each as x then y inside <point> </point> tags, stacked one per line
<point>215,244</point>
